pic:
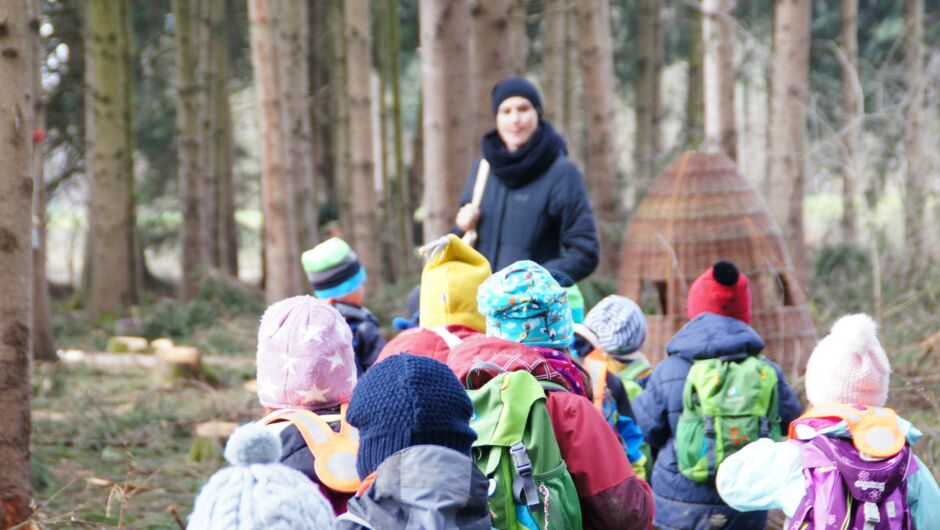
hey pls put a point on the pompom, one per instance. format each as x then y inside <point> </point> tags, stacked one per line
<point>858,333</point>
<point>252,444</point>
<point>725,273</point>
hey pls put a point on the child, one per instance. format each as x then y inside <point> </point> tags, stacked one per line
<point>448,300</point>
<point>256,492</point>
<point>524,303</point>
<point>305,364</point>
<point>848,367</point>
<point>414,454</point>
<point>717,337</point>
<point>617,329</point>
<point>620,328</point>
<point>338,278</point>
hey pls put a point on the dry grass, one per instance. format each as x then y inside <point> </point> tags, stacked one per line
<point>113,446</point>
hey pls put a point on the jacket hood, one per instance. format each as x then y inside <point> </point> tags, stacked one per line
<point>425,486</point>
<point>709,336</point>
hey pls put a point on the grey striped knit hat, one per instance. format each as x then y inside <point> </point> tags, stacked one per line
<point>256,492</point>
<point>619,325</point>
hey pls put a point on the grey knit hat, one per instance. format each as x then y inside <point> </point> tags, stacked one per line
<point>619,325</point>
<point>256,492</point>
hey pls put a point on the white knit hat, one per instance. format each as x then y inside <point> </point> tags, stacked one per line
<point>849,365</point>
<point>256,492</point>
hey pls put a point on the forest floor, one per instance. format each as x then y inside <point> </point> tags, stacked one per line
<point>111,445</point>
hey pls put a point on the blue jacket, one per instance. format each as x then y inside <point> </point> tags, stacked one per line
<point>766,475</point>
<point>680,503</point>
<point>547,220</point>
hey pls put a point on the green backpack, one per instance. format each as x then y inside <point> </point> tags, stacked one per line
<point>530,487</point>
<point>726,405</point>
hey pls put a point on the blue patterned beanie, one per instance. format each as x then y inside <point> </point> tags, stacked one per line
<point>408,400</point>
<point>524,303</point>
<point>618,324</point>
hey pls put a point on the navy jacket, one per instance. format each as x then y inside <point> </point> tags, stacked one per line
<point>547,220</point>
<point>682,504</point>
<point>367,339</point>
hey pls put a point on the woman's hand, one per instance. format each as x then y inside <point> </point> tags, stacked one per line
<point>467,217</point>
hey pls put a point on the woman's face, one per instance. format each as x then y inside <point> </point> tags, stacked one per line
<point>516,121</point>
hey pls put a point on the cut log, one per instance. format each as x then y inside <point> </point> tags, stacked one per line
<point>179,362</point>
<point>122,344</point>
<point>210,439</point>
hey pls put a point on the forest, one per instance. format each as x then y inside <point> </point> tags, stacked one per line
<point>167,162</point>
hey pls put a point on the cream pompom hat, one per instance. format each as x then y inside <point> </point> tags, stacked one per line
<point>849,365</point>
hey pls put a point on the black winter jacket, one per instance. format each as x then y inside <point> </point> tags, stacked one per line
<point>367,339</point>
<point>547,220</point>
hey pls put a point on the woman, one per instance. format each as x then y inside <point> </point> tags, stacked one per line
<point>535,206</point>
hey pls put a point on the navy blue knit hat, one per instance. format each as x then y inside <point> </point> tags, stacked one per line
<point>516,86</point>
<point>407,400</point>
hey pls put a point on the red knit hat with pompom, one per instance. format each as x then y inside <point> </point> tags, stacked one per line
<point>723,290</point>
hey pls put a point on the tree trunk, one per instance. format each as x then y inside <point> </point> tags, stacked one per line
<point>574,89</point>
<point>489,61</point>
<point>518,49</point>
<point>600,164</point>
<point>43,344</point>
<point>209,22</point>
<point>851,96</point>
<point>388,221</point>
<point>277,189</point>
<point>445,61</point>
<point>695,96</point>
<point>136,262</point>
<point>189,144</point>
<point>226,229</point>
<point>718,30</point>
<point>554,58</point>
<point>415,177</point>
<point>322,112</point>
<point>293,39</point>
<point>109,220</point>
<point>358,90</point>
<point>342,173</point>
<point>915,189</point>
<point>648,64</point>
<point>790,87</point>
<point>18,64</point>
<point>403,191</point>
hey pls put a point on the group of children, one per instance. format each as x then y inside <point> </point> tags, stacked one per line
<point>502,405</point>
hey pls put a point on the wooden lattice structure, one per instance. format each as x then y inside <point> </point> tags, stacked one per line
<point>699,211</point>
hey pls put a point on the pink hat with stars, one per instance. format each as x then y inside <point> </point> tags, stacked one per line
<point>305,356</point>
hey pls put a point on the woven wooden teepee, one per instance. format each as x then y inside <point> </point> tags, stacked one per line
<point>699,211</point>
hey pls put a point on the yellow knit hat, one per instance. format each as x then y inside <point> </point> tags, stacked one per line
<point>449,284</point>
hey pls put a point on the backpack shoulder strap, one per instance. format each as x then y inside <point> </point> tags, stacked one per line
<point>449,338</point>
<point>334,453</point>
<point>596,365</point>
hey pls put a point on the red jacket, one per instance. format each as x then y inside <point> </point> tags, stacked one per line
<point>424,342</point>
<point>612,496</point>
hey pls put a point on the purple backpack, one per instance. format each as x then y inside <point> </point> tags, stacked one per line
<point>846,492</point>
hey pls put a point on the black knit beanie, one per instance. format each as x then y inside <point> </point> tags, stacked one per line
<point>516,86</point>
<point>407,400</point>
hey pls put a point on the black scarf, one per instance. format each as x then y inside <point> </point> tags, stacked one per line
<point>530,161</point>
